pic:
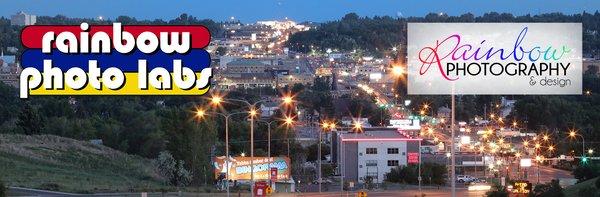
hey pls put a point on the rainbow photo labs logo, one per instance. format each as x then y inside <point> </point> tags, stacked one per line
<point>115,60</point>
<point>494,58</point>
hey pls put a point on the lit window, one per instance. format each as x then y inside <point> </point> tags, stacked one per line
<point>371,150</point>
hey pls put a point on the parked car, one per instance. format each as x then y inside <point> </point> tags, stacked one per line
<point>465,178</point>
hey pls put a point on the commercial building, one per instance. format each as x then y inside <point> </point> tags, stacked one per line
<point>22,19</point>
<point>9,70</point>
<point>373,153</point>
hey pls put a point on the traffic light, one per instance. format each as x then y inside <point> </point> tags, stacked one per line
<point>584,159</point>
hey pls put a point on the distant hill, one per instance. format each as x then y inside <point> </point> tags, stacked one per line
<point>63,164</point>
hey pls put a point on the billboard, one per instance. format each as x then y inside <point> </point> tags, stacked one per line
<point>239,167</point>
<point>494,58</point>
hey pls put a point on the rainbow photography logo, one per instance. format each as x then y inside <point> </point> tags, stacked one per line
<point>115,60</point>
<point>494,58</point>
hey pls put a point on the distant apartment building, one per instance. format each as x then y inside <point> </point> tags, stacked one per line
<point>9,70</point>
<point>245,80</point>
<point>291,79</point>
<point>22,19</point>
<point>373,153</point>
<point>268,109</point>
<point>260,72</point>
<point>247,66</point>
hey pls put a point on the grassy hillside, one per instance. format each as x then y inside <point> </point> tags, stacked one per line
<point>573,190</point>
<point>63,164</point>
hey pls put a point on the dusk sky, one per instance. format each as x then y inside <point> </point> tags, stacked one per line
<point>299,10</point>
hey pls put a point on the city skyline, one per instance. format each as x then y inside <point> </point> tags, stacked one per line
<point>317,11</point>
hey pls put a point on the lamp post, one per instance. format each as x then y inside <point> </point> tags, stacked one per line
<point>453,182</point>
<point>289,121</point>
<point>326,127</point>
<point>252,114</point>
<point>420,192</point>
<point>200,113</point>
<point>268,135</point>
<point>574,134</point>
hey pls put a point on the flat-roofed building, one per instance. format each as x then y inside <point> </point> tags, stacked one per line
<point>22,19</point>
<point>373,153</point>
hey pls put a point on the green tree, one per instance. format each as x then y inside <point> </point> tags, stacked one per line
<point>10,102</point>
<point>190,140</point>
<point>183,176</point>
<point>313,152</point>
<point>165,165</point>
<point>552,189</point>
<point>3,189</point>
<point>410,174</point>
<point>403,174</point>
<point>586,172</point>
<point>497,191</point>
<point>29,120</point>
<point>220,51</point>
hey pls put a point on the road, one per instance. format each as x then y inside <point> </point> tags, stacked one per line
<point>407,192</point>
<point>412,192</point>
<point>546,174</point>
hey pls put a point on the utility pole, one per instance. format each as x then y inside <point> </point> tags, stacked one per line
<point>453,181</point>
<point>252,154</point>
<point>319,159</point>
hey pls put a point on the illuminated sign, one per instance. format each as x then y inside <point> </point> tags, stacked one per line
<point>521,187</point>
<point>525,162</point>
<point>412,158</point>
<point>239,168</point>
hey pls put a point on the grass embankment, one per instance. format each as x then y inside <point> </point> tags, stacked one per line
<point>63,164</point>
<point>574,189</point>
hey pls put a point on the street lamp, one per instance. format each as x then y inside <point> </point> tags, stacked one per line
<point>397,70</point>
<point>326,127</point>
<point>357,126</point>
<point>200,113</point>
<point>268,135</point>
<point>289,121</point>
<point>217,100</point>
<point>574,134</point>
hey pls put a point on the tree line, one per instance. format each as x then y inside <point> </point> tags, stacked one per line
<point>377,35</point>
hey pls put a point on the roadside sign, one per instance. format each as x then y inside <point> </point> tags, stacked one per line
<point>269,190</point>
<point>525,162</point>
<point>260,188</point>
<point>362,193</point>
<point>351,184</point>
<point>273,174</point>
<point>521,187</point>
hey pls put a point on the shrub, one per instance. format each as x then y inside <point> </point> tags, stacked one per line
<point>3,189</point>
<point>498,191</point>
<point>430,172</point>
<point>551,189</point>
